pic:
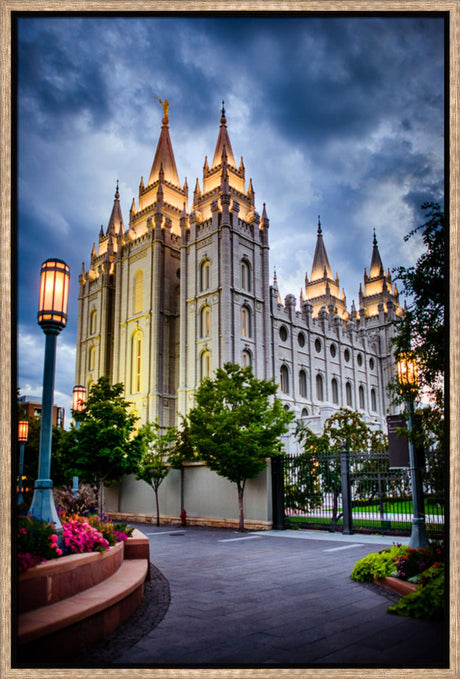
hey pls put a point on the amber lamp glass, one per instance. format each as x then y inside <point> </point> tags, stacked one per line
<point>78,397</point>
<point>23,431</point>
<point>54,293</point>
<point>407,370</point>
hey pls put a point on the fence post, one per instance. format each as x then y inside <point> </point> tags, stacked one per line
<point>346,491</point>
<point>278,492</point>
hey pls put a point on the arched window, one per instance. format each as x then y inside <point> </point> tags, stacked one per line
<point>348,395</point>
<point>362,402</point>
<point>246,329</point>
<point>319,388</point>
<point>92,321</point>
<point>284,379</point>
<point>136,363</point>
<point>373,401</point>
<point>303,383</point>
<point>245,275</point>
<point>92,358</point>
<point>205,364</point>
<point>335,391</point>
<point>304,412</point>
<point>138,291</point>
<point>205,322</point>
<point>205,275</point>
<point>246,358</point>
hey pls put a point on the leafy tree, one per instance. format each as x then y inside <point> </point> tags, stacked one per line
<point>237,424</point>
<point>320,460</point>
<point>59,471</point>
<point>154,464</point>
<point>422,329</point>
<point>182,451</point>
<point>102,449</point>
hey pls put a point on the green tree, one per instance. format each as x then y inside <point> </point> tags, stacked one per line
<point>102,449</point>
<point>422,329</point>
<point>182,451</point>
<point>154,464</point>
<point>237,424</point>
<point>345,429</point>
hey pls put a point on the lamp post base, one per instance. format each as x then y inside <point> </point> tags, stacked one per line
<point>43,506</point>
<point>418,537</point>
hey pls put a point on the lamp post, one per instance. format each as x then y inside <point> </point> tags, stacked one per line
<point>78,404</point>
<point>23,435</point>
<point>407,378</point>
<point>52,317</point>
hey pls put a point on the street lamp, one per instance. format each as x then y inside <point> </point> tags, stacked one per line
<point>78,404</point>
<point>78,398</point>
<point>52,317</point>
<point>407,378</point>
<point>23,435</point>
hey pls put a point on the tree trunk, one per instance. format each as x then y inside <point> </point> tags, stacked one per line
<point>158,506</point>
<point>101,498</point>
<point>240,506</point>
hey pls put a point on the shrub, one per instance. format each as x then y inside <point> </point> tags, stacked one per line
<point>410,564</point>
<point>83,503</point>
<point>428,599</point>
<point>37,541</point>
<point>377,565</point>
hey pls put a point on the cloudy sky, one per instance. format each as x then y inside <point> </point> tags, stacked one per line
<point>337,116</point>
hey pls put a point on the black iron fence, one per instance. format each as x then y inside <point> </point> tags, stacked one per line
<point>317,488</point>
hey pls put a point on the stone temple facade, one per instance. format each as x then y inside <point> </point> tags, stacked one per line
<point>185,287</point>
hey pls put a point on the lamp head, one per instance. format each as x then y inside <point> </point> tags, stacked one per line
<point>406,367</point>
<point>78,397</point>
<point>54,295</point>
<point>23,431</point>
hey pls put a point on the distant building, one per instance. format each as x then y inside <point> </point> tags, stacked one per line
<point>184,289</point>
<point>31,406</point>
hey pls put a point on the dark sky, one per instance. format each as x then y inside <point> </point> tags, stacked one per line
<point>337,116</point>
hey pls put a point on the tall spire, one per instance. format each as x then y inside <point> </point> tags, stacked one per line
<point>376,262</point>
<point>164,156</point>
<point>223,143</point>
<point>116,218</point>
<point>321,267</point>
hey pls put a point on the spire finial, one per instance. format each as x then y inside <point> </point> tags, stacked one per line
<point>319,226</point>
<point>117,192</point>
<point>375,239</point>
<point>223,119</point>
<point>165,105</point>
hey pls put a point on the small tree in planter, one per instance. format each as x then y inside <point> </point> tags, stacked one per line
<point>155,448</point>
<point>102,450</point>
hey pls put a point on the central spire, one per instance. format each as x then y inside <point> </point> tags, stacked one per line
<point>164,163</point>
<point>223,143</point>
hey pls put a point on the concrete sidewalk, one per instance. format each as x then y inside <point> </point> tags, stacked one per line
<point>274,598</point>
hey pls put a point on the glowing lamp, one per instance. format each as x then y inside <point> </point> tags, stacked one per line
<point>78,397</point>
<point>23,431</point>
<point>54,294</point>
<point>407,370</point>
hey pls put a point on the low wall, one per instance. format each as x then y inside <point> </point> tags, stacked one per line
<point>209,499</point>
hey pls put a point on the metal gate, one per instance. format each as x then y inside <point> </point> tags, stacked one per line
<point>311,490</point>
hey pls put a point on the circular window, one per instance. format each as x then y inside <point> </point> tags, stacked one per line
<point>346,355</point>
<point>360,359</point>
<point>318,345</point>
<point>283,333</point>
<point>333,350</point>
<point>371,363</point>
<point>286,407</point>
<point>301,339</point>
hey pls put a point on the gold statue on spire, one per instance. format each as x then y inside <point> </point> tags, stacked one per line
<point>165,105</point>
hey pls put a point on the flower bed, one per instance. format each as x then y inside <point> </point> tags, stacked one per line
<point>38,541</point>
<point>417,574</point>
